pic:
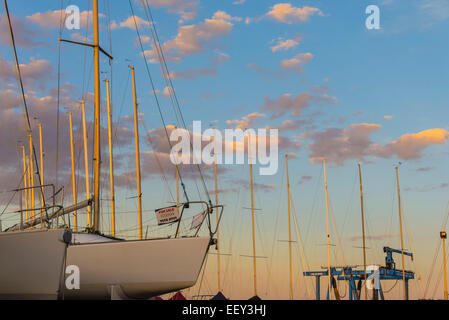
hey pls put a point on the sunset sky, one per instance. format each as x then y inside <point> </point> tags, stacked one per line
<point>311,69</point>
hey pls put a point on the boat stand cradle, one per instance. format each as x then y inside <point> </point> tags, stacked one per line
<point>347,273</point>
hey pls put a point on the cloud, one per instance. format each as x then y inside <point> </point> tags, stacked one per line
<point>193,73</point>
<point>24,35</point>
<point>52,19</point>
<point>338,145</point>
<point>286,66</point>
<point>130,23</point>
<point>263,71</point>
<point>195,39</point>
<point>167,91</point>
<point>56,18</point>
<point>304,179</point>
<point>297,62</point>
<point>284,45</point>
<point>286,13</point>
<point>411,145</point>
<point>238,2</point>
<point>222,15</point>
<point>435,10</point>
<point>290,125</point>
<point>247,121</point>
<point>35,73</point>
<point>144,39</point>
<point>219,58</point>
<point>424,169</point>
<point>187,9</point>
<point>389,118</point>
<point>295,105</point>
<point>353,142</point>
<point>79,37</point>
<point>320,89</point>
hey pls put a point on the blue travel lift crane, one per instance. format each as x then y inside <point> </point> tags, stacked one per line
<point>350,274</point>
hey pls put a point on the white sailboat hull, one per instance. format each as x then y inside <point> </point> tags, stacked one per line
<point>141,269</point>
<point>33,264</point>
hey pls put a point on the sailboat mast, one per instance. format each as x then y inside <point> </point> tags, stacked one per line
<point>252,216</point>
<point>177,188</point>
<point>41,172</point>
<point>216,203</point>
<point>363,228</point>
<point>136,135</point>
<point>327,226</point>
<point>75,218</point>
<point>86,163</point>
<point>177,195</point>
<point>111,160</point>
<point>443,236</point>
<point>97,160</point>
<point>30,140</point>
<point>400,226</point>
<point>25,181</point>
<point>29,190</point>
<point>289,229</point>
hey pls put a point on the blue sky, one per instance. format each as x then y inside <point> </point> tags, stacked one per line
<point>395,79</point>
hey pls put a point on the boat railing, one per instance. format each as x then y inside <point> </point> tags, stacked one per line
<point>207,212</point>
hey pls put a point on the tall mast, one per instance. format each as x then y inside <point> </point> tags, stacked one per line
<point>86,163</point>
<point>177,194</point>
<point>289,229</point>
<point>252,216</point>
<point>400,226</point>
<point>75,218</point>
<point>25,181</point>
<point>136,136</point>
<point>177,187</point>
<point>327,226</point>
<point>29,190</point>
<point>41,173</point>
<point>30,139</point>
<point>443,236</point>
<point>363,228</point>
<point>216,203</point>
<point>111,160</point>
<point>97,160</point>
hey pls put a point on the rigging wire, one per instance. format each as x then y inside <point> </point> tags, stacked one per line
<point>155,96</point>
<point>340,251</point>
<point>315,200</point>
<point>23,100</point>
<point>157,159</point>
<point>58,93</point>
<point>227,267</point>
<point>167,76</point>
<point>304,260</point>
<point>394,285</point>
<point>275,228</point>
<point>415,261</point>
<point>437,250</point>
<point>349,206</point>
<point>12,197</point>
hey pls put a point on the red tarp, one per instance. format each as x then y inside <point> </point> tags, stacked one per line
<point>178,296</point>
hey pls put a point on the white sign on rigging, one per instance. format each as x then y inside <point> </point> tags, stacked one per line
<point>167,215</point>
<point>198,220</point>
